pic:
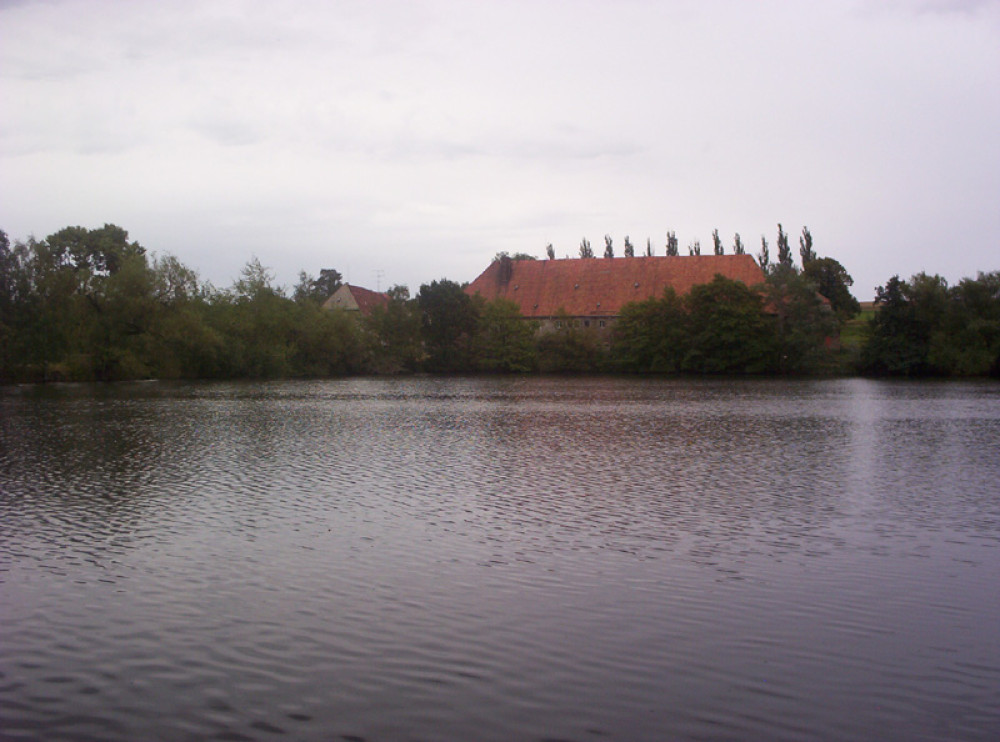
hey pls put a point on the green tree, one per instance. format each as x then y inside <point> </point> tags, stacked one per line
<point>585,250</point>
<point>897,343</point>
<point>728,330</point>
<point>966,339</point>
<point>12,285</point>
<point>629,248</point>
<point>102,251</point>
<point>515,256</point>
<point>651,335</point>
<point>649,248</point>
<point>570,348</point>
<point>802,322</point>
<point>550,252</point>
<point>923,327</point>
<point>322,342</point>
<point>399,292</point>
<point>833,281</point>
<point>784,251</point>
<point>449,322</point>
<point>257,320</point>
<point>717,243</point>
<point>318,290</point>
<point>694,248</point>
<point>392,336</point>
<point>50,309</point>
<point>738,247</point>
<point>505,341</point>
<point>764,256</point>
<point>806,251</point>
<point>672,245</point>
<point>609,250</point>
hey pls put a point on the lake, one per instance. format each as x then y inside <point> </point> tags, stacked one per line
<point>500,559</point>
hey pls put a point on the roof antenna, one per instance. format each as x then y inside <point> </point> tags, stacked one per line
<point>379,275</point>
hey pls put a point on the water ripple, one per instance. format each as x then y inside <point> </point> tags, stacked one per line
<point>498,559</point>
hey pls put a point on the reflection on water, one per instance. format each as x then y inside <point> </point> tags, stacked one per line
<point>500,559</point>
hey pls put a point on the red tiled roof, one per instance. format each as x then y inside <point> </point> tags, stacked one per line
<point>602,286</point>
<point>367,299</point>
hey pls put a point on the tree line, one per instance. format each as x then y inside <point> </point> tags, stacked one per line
<point>672,248</point>
<point>923,327</point>
<point>89,304</point>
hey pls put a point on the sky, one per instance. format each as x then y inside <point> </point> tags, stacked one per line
<point>402,142</point>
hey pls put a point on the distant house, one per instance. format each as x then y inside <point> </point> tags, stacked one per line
<point>356,299</point>
<point>590,292</point>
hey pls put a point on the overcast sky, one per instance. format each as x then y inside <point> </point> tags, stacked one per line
<point>402,142</point>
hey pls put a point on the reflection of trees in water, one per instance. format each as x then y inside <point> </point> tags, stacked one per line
<point>645,474</point>
<point>109,452</point>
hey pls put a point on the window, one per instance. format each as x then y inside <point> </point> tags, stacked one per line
<point>586,323</point>
<point>601,323</point>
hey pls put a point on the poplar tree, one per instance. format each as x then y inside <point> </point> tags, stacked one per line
<point>717,242</point>
<point>672,244</point>
<point>585,249</point>
<point>784,251</point>
<point>738,248</point>
<point>629,248</point>
<point>649,248</point>
<point>609,250</point>
<point>764,257</point>
<point>806,251</point>
<point>694,248</point>
<point>550,251</point>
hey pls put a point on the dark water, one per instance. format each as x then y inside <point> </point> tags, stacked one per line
<point>541,559</point>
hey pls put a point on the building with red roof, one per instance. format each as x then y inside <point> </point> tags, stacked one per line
<point>356,299</point>
<point>592,291</point>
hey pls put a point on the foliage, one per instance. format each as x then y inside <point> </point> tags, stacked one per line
<point>318,290</point>
<point>516,256</point>
<point>764,256</point>
<point>672,244</point>
<point>924,327</point>
<point>651,336</point>
<point>585,249</point>
<point>784,251</point>
<point>802,322</point>
<point>93,305</point>
<point>449,322</point>
<point>629,248</point>
<point>727,329</point>
<point>570,348</point>
<point>717,243</point>
<point>392,337</point>
<point>505,341</point>
<point>897,345</point>
<point>609,250</point>
<point>550,252</point>
<point>806,251</point>
<point>398,292</point>
<point>102,251</point>
<point>832,280</point>
<point>738,247</point>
